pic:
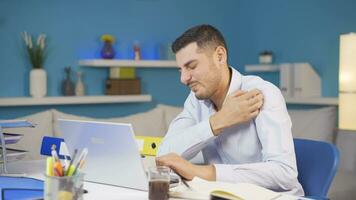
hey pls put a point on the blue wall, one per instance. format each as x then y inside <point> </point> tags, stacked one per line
<point>301,31</point>
<point>296,31</point>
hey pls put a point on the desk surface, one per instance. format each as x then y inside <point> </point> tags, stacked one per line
<point>35,169</point>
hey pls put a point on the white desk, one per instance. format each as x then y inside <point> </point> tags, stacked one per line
<point>36,169</point>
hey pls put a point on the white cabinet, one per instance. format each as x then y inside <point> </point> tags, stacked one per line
<point>299,83</point>
<point>286,80</point>
<point>299,80</point>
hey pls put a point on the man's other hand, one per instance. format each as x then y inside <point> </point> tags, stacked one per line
<point>186,169</point>
<point>238,108</point>
<point>177,164</point>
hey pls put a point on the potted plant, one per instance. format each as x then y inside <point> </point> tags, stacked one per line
<point>36,53</point>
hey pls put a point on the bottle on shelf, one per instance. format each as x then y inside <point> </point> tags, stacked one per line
<point>137,51</point>
<point>67,83</point>
<point>79,87</point>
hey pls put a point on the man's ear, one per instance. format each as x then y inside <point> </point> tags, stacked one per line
<point>220,55</point>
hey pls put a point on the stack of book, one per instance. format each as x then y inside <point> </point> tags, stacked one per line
<point>122,81</point>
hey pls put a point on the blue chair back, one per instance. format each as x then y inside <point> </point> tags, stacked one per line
<point>317,165</point>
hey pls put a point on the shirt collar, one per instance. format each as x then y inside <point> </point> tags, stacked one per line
<point>235,84</point>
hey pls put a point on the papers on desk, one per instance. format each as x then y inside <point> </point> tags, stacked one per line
<point>12,138</point>
<point>201,190</point>
<point>13,154</point>
<point>15,123</point>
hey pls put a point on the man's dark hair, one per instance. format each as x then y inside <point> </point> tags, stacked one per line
<point>206,36</point>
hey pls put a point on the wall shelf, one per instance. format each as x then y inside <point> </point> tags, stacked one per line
<point>29,101</point>
<point>261,68</point>
<point>332,101</point>
<point>128,63</point>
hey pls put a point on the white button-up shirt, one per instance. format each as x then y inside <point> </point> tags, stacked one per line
<point>260,151</point>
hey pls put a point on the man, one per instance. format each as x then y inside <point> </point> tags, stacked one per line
<point>224,124</point>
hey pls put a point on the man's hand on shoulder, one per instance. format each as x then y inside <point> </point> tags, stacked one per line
<point>238,108</point>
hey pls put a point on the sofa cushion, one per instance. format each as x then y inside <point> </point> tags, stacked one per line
<point>343,186</point>
<point>32,137</point>
<point>150,123</point>
<point>60,115</point>
<point>315,124</point>
<point>170,113</point>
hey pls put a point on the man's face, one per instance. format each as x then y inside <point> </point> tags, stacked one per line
<point>198,70</point>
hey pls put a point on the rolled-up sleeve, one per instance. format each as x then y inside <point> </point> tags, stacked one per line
<point>186,133</point>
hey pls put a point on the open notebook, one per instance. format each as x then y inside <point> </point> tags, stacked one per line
<point>201,190</point>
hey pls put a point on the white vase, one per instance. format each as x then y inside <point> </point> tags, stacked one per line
<point>38,83</point>
<point>79,87</point>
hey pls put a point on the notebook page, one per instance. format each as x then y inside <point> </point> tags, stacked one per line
<point>201,189</point>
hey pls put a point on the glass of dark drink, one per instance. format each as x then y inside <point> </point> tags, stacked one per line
<point>158,183</point>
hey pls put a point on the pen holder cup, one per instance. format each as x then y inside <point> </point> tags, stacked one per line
<point>64,187</point>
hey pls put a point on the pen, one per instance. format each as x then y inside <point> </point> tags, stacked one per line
<point>185,183</point>
<point>56,171</point>
<point>54,153</point>
<point>66,165</point>
<point>81,159</point>
<point>55,159</point>
<point>63,150</point>
<point>71,161</point>
<point>58,168</point>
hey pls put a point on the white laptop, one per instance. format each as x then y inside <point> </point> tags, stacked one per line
<point>113,157</point>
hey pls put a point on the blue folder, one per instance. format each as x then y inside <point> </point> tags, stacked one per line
<point>20,188</point>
